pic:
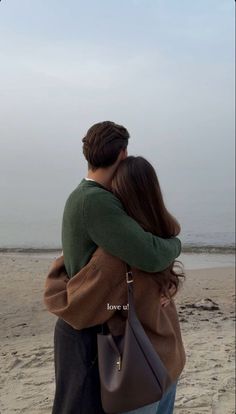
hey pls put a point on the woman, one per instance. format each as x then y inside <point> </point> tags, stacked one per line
<point>91,297</point>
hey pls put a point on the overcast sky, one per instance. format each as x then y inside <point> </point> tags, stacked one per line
<point>164,69</point>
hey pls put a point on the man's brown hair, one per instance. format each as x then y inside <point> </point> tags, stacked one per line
<point>103,143</point>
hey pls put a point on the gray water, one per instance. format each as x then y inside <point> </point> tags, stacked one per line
<point>31,218</point>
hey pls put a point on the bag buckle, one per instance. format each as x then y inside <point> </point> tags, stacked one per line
<point>118,363</point>
<point>129,277</point>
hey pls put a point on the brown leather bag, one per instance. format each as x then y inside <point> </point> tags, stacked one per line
<point>132,374</point>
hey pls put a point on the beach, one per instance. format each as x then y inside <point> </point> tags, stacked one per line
<point>26,351</point>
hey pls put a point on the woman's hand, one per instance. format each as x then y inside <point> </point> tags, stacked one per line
<point>164,300</point>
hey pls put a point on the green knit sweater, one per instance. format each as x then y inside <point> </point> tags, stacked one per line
<point>93,217</point>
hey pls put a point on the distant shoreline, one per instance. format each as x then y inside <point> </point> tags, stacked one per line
<point>185,249</point>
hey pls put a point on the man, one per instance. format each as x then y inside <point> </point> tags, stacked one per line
<point>93,217</point>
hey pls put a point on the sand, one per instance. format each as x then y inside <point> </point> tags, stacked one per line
<point>26,350</point>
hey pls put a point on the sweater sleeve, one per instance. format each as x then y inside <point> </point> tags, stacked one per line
<point>110,227</point>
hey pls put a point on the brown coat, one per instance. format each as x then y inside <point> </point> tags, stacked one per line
<point>85,300</point>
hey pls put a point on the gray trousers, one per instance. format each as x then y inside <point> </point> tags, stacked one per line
<point>76,370</point>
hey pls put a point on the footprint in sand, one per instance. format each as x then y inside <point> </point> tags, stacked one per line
<point>13,364</point>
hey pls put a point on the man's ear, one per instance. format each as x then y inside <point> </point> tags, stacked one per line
<point>123,154</point>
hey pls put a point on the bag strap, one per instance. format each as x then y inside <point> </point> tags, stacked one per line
<point>130,281</point>
<point>131,310</point>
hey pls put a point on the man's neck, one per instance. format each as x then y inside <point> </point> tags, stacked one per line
<point>102,176</point>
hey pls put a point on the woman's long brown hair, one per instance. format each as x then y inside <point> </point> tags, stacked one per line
<point>136,185</point>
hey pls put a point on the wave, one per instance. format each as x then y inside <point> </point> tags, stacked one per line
<point>193,248</point>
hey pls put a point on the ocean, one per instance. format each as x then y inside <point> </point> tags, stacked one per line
<point>46,234</point>
<point>31,214</point>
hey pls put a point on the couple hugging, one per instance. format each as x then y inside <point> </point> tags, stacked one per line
<point>115,216</point>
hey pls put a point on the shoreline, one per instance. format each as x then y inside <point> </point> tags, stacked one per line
<point>191,260</point>
<point>186,248</point>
